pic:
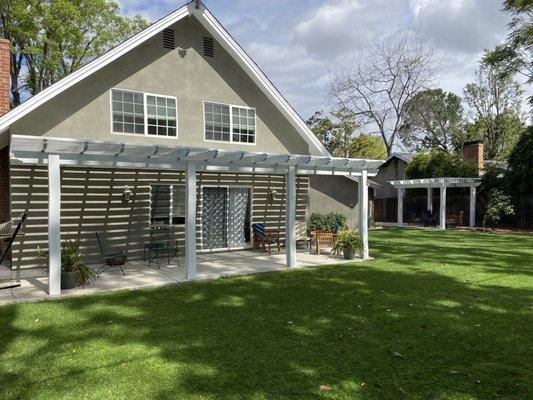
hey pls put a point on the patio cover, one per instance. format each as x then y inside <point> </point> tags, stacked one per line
<point>54,152</point>
<point>442,184</point>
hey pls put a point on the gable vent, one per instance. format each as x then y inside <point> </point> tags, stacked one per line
<point>168,39</point>
<point>209,50</point>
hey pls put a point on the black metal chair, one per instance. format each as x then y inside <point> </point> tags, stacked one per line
<point>8,233</point>
<point>112,259</point>
<point>162,241</point>
<point>428,218</point>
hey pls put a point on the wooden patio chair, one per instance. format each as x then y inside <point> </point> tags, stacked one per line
<point>111,259</point>
<point>263,238</point>
<point>323,238</point>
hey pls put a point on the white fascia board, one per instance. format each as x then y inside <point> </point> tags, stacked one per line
<point>91,68</point>
<point>210,23</point>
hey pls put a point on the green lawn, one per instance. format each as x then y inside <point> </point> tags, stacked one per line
<point>436,316</point>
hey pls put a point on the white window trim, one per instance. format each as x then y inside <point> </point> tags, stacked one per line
<point>231,107</point>
<point>145,109</point>
<point>170,209</point>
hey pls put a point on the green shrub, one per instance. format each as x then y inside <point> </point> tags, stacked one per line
<point>327,222</point>
<point>437,164</point>
<point>72,261</point>
<point>498,205</point>
<point>348,240</point>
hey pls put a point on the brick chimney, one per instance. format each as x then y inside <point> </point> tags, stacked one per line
<point>473,151</point>
<point>5,83</point>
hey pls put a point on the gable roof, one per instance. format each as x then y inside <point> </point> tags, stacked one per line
<point>210,23</point>
<point>405,157</point>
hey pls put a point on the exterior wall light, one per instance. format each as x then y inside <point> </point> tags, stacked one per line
<point>272,194</point>
<point>126,195</point>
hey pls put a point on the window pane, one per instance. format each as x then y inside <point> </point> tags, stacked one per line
<point>178,201</point>
<point>159,204</point>
<point>162,116</point>
<point>243,125</point>
<point>216,122</point>
<point>127,107</point>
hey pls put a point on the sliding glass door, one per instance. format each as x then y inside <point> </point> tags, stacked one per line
<point>226,217</point>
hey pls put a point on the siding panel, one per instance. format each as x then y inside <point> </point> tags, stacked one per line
<point>91,200</point>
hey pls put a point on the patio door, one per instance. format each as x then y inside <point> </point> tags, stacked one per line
<point>225,217</point>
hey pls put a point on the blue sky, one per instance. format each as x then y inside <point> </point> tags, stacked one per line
<point>293,41</point>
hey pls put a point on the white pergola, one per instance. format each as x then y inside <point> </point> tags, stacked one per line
<point>54,152</point>
<point>442,184</point>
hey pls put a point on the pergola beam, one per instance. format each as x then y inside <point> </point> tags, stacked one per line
<point>363,212</point>
<point>442,208</point>
<point>54,224</point>
<point>113,154</point>
<point>290,217</point>
<point>472,219</point>
<point>190,220</point>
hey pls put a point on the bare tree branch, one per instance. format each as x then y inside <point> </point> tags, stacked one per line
<point>376,84</point>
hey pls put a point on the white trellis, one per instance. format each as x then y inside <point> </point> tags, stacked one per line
<point>442,184</point>
<point>55,152</point>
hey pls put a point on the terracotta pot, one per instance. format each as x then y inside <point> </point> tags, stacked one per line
<point>69,280</point>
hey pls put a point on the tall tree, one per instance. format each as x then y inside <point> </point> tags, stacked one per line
<point>335,131</point>
<point>367,146</point>
<point>18,24</point>
<point>377,83</point>
<point>52,38</point>
<point>495,101</point>
<point>433,121</point>
<point>515,54</point>
<point>324,129</point>
<point>345,127</point>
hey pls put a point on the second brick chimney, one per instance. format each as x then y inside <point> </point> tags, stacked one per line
<point>473,151</point>
<point>5,83</point>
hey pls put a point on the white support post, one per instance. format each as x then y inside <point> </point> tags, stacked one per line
<point>442,209</point>
<point>290,217</point>
<point>54,221</point>
<point>472,206</point>
<point>401,192</point>
<point>190,220</point>
<point>430,199</point>
<point>363,211</point>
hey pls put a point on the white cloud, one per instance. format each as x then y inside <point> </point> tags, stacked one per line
<point>466,26</point>
<point>337,27</point>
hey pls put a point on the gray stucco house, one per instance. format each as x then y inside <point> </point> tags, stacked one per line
<point>182,120</point>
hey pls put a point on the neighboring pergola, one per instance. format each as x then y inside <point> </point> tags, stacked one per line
<point>54,152</point>
<point>442,184</point>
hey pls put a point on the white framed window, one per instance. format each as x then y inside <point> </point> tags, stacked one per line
<point>217,122</point>
<point>128,112</point>
<point>243,124</point>
<point>227,123</point>
<point>143,113</point>
<point>161,114</point>
<point>167,204</point>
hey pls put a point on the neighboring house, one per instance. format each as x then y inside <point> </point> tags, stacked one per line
<point>177,125</point>
<point>392,169</point>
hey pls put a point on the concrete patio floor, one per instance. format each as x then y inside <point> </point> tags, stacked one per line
<point>140,275</point>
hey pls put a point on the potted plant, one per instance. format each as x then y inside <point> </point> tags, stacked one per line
<point>74,272</point>
<point>349,242</point>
